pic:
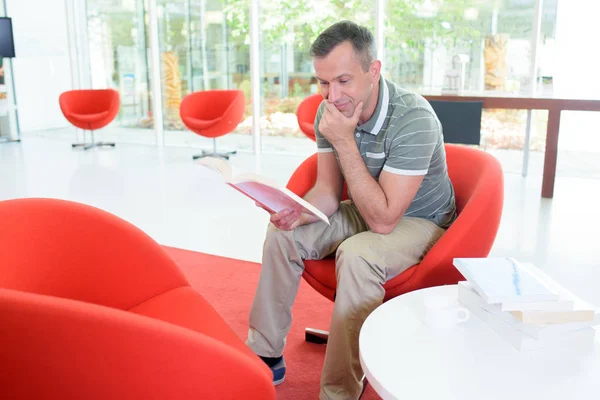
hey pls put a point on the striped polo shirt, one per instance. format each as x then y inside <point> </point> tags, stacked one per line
<point>404,137</point>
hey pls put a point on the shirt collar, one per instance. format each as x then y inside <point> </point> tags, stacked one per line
<point>375,123</point>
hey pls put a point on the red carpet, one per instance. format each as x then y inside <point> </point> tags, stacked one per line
<point>229,286</point>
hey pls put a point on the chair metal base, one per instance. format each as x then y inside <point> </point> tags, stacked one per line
<point>87,146</point>
<point>316,336</point>
<point>92,144</point>
<point>224,155</point>
<point>214,152</point>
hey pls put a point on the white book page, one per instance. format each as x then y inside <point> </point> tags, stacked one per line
<point>250,177</point>
<point>218,165</point>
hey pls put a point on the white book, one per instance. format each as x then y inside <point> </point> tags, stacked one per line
<point>558,305</point>
<point>471,299</point>
<point>580,341</point>
<point>503,280</point>
<point>566,301</point>
<point>580,312</point>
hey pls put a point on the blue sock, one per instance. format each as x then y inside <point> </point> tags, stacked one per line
<point>271,361</point>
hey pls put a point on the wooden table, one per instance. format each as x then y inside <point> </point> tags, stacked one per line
<point>554,107</point>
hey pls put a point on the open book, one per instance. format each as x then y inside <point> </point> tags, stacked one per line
<point>262,190</point>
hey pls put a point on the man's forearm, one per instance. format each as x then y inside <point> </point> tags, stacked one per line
<point>367,194</point>
<point>324,200</point>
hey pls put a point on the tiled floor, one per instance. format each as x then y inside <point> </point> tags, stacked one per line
<point>182,204</point>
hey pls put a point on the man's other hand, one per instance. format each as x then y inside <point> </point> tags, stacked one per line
<point>286,220</point>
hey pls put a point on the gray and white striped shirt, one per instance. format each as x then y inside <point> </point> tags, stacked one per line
<point>405,137</point>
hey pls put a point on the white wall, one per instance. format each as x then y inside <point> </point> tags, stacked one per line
<point>576,72</point>
<point>42,69</point>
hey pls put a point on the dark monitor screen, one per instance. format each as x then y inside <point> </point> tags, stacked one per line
<point>7,44</point>
<point>461,120</point>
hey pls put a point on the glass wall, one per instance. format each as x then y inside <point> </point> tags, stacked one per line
<point>202,49</point>
<point>491,40</point>
<point>474,46</point>
<point>287,29</point>
<point>119,59</point>
<point>204,44</point>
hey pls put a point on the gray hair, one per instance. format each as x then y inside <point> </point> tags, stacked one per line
<point>361,38</point>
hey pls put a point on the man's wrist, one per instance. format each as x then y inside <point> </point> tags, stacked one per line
<point>305,219</point>
<point>346,147</point>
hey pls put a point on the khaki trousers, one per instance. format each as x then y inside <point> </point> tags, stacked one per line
<point>364,262</point>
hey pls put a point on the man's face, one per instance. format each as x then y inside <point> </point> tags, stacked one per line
<point>344,82</point>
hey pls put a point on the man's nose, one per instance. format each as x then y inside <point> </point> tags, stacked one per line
<point>334,93</point>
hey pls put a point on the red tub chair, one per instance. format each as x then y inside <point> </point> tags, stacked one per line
<point>93,308</point>
<point>306,114</point>
<point>479,191</point>
<point>211,114</point>
<point>90,109</point>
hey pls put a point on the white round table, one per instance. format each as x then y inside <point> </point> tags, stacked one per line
<point>403,358</point>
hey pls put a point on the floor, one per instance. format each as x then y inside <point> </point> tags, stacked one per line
<point>182,204</point>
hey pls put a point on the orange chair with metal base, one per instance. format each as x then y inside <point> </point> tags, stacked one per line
<point>213,113</point>
<point>479,191</point>
<point>306,114</point>
<point>90,110</point>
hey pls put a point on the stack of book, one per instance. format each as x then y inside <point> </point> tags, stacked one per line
<point>525,306</point>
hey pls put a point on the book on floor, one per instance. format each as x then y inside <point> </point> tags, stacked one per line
<point>262,190</point>
<point>503,280</point>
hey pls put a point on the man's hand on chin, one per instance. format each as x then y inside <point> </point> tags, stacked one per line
<point>336,127</point>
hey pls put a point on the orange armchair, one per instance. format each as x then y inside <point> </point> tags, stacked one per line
<point>93,308</point>
<point>213,113</point>
<point>306,114</point>
<point>90,110</point>
<point>479,190</point>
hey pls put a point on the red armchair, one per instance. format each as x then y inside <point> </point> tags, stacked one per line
<point>91,307</point>
<point>90,110</point>
<point>479,190</point>
<point>213,113</point>
<point>306,114</point>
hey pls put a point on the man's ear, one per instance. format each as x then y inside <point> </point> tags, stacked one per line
<point>374,71</point>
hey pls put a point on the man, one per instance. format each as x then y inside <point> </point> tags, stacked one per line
<point>387,144</point>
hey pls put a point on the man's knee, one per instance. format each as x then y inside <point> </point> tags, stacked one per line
<point>278,240</point>
<point>359,264</point>
<point>276,235</point>
<point>301,238</point>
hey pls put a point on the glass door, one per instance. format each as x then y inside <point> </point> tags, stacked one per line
<point>119,59</point>
<point>287,76</point>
